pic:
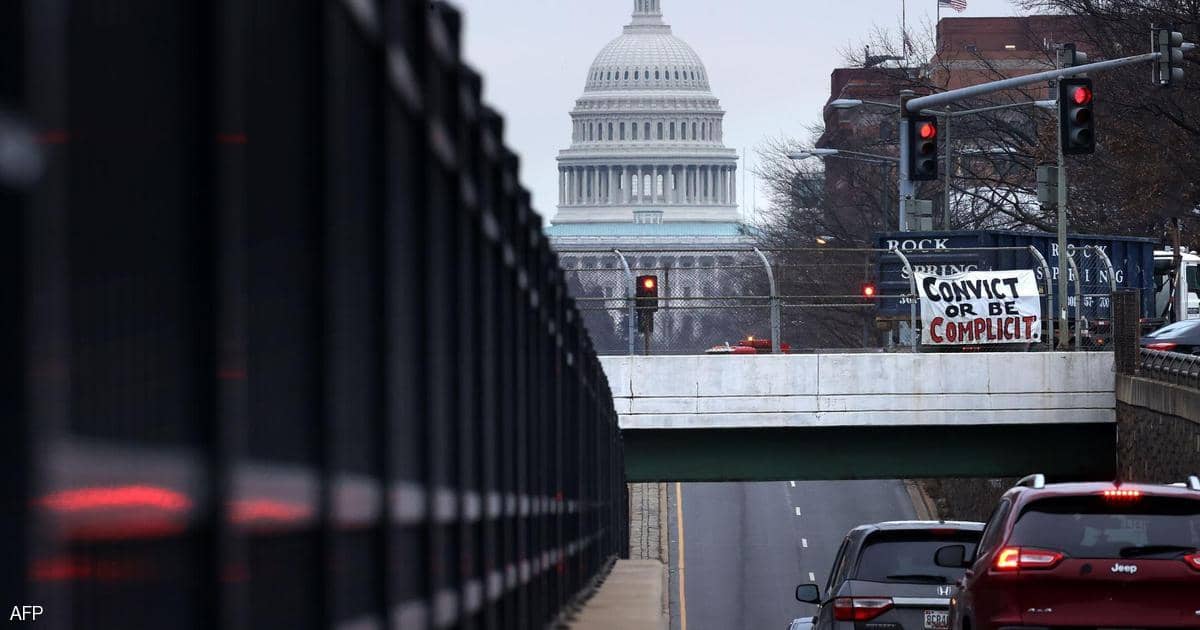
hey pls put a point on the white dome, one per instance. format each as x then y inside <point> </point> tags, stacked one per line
<point>647,135</point>
<point>649,58</point>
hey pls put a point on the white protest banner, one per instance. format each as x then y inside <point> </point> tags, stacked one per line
<point>979,307</point>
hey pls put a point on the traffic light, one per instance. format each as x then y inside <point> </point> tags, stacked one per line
<point>869,291</point>
<point>1073,57</point>
<point>647,302</point>
<point>1077,126</point>
<point>1169,67</point>
<point>922,148</point>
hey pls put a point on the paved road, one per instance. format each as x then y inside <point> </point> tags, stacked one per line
<point>746,547</point>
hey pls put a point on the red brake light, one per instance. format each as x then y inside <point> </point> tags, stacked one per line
<point>860,608</point>
<point>1161,345</point>
<point>1017,558</point>
<point>1193,561</point>
<point>1121,495</point>
<point>1081,95</point>
<point>927,131</point>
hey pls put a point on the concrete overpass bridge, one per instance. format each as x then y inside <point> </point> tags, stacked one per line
<point>865,415</point>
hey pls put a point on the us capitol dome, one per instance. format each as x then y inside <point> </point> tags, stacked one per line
<point>646,160</point>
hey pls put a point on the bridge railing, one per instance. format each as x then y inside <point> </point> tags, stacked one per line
<point>1172,367</point>
<point>284,345</point>
<point>796,299</point>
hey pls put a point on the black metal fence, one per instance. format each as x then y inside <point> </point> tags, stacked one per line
<point>284,346</point>
<point>1171,367</point>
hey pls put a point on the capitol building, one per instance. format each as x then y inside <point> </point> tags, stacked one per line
<point>647,187</point>
<point>647,164</point>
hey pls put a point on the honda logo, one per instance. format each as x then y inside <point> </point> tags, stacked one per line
<point>945,591</point>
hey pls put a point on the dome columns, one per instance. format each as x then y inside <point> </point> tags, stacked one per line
<point>648,184</point>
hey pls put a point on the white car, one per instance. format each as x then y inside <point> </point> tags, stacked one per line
<point>801,623</point>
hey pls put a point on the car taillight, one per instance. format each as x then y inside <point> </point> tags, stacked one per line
<point>1122,495</point>
<point>1161,345</point>
<point>1193,561</point>
<point>1018,558</point>
<point>860,608</point>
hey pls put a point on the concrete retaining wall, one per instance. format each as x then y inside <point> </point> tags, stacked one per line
<point>1158,427</point>
<point>1158,440</point>
<point>667,392</point>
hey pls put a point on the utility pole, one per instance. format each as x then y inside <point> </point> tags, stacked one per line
<point>949,165</point>
<point>1178,298</point>
<point>905,183</point>
<point>1064,335</point>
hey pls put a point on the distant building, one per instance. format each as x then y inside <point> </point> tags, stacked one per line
<point>648,173</point>
<point>981,49</point>
<point>647,164</point>
<point>969,51</point>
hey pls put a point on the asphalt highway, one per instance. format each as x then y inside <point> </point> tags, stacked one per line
<point>746,546</point>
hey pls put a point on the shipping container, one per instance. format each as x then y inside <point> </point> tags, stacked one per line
<point>953,252</point>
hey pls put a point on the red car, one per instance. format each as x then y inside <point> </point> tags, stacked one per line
<point>1083,556</point>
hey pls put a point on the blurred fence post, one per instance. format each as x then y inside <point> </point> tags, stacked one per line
<point>1126,330</point>
<point>774,302</point>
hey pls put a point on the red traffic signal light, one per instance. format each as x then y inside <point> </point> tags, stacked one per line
<point>922,140</point>
<point>1076,120</point>
<point>647,302</point>
<point>1081,95</point>
<point>868,290</point>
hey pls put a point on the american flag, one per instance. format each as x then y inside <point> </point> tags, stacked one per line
<point>957,5</point>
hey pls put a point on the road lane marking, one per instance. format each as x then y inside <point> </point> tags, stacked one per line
<point>679,527</point>
<point>797,511</point>
<point>793,483</point>
<point>812,577</point>
<point>804,543</point>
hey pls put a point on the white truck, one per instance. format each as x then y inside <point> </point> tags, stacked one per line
<point>1180,294</point>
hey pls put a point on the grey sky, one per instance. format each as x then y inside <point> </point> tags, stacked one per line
<point>768,61</point>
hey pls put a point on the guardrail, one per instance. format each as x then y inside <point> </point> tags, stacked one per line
<point>284,344</point>
<point>1171,367</point>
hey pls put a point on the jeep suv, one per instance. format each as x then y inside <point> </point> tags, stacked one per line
<point>1083,556</point>
<point>884,577</point>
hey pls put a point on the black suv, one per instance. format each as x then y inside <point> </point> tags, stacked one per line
<point>885,574</point>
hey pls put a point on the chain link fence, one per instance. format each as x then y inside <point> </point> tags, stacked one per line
<point>705,298</point>
<point>1092,283</point>
<point>750,300</point>
<point>728,301</point>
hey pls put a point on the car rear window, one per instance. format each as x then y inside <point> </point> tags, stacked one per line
<point>907,556</point>
<point>1093,527</point>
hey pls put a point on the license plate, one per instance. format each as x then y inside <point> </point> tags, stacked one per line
<point>937,620</point>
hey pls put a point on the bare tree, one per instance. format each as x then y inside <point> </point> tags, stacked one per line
<point>1144,171</point>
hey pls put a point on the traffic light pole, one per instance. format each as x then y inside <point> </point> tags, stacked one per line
<point>906,185</point>
<point>952,96</point>
<point>1064,335</point>
<point>949,171</point>
<point>915,105</point>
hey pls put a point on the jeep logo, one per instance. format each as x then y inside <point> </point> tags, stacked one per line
<point>1124,568</point>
